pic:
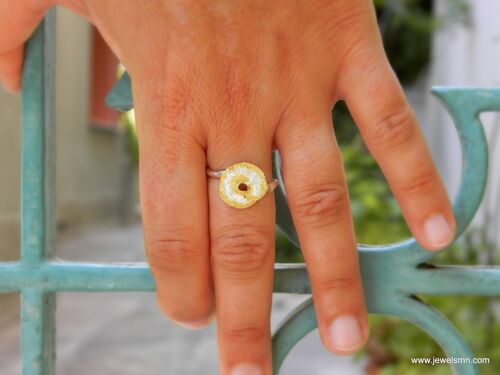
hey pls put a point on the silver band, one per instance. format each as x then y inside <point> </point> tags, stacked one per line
<point>271,186</point>
<point>215,174</point>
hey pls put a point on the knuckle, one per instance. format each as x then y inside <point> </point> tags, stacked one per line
<point>232,100</point>
<point>423,184</point>
<point>171,310</point>
<point>242,250</point>
<point>171,255</point>
<point>241,335</point>
<point>335,283</point>
<point>393,131</point>
<point>237,89</point>
<point>324,204</point>
<point>168,110</point>
<point>351,18</point>
<point>184,314</point>
<point>168,101</point>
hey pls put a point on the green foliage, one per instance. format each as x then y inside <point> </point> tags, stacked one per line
<point>406,27</point>
<point>285,251</point>
<point>128,125</point>
<point>377,218</point>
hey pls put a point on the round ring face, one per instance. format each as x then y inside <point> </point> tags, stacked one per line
<point>242,184</point>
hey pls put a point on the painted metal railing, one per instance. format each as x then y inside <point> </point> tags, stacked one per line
<point>393,275</point>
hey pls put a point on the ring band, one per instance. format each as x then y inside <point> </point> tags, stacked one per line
<point>243,184</point>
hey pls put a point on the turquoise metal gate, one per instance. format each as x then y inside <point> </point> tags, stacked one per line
<point>392,274</point>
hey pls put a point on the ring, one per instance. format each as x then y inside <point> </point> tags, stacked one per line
<point>242,185</point>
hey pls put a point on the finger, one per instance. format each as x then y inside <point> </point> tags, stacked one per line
<point>174,205</point>
<point>242,245</point>
<point>318,199</point>
<point>10,69</point>
<point>18,20</point>
<point>391,132</point>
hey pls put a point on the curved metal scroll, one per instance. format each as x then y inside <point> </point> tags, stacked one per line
<point>393,274</point>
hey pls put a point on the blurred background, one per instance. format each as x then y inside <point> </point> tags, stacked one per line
<point>440,42</point>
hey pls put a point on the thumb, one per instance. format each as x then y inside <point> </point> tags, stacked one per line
<point>18,19</point>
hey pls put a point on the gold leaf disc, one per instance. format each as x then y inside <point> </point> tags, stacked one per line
<point>242,184</point>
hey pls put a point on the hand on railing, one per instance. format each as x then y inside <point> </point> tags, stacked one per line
<point>217,83</point>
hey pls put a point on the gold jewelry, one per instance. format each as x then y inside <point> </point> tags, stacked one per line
<point>242,185</point>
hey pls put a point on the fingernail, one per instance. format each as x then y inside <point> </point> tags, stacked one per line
<point>437,231</point>
<point>246,369</point>
<point>197,324</point>
<point>345,333</point>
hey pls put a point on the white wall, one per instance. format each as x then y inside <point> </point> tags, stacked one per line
<point>9,173</point>
<point>89,160</point>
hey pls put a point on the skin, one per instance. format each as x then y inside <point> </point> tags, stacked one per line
<point>217,82</point>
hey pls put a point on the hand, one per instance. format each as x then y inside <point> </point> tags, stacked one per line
<point>219,82</point>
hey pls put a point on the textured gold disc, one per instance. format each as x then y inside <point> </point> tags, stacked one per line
<point>242,184</point>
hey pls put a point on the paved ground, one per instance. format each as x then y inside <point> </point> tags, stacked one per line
<point>112,333</point>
